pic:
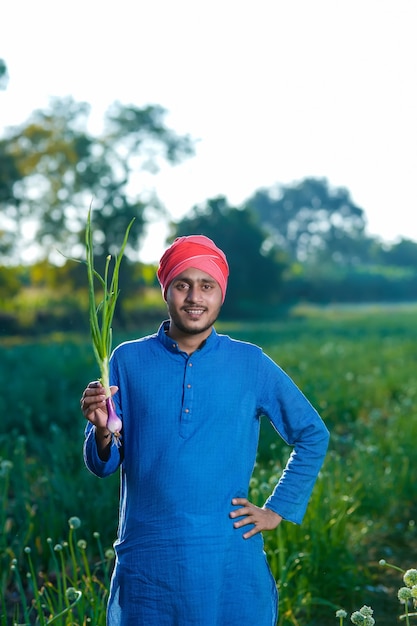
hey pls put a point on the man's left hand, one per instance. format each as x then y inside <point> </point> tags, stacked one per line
<point>262,518</point>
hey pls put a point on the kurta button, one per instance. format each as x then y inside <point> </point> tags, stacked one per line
<point>188,386</point>
<point>190,364</point>
<point>187,410</point>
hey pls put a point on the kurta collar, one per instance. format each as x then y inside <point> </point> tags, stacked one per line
<point>172,346</point>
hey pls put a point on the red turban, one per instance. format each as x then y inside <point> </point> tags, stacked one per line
<point>193,251</point>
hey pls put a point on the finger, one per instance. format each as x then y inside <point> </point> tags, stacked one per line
<point>240,501</point>
<point>246,521</point>
<point>90,403</point>
<point>240,512</point>
<point>93,395</point>
<point>251,533</point>
<point>99,405</point>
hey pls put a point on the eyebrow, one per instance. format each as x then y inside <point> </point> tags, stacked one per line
<point>185,279</point>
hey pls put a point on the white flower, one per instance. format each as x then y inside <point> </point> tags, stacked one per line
<point>404,594</point>
<point>410,577</point>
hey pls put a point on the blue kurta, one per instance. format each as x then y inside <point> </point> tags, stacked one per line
<point>190,435</point>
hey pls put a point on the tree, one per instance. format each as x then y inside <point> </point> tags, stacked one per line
<point>255,270</point>
<point>56,168</point>
<point>311,221</point>
<point>3,75</point>
<point>401,254</point>
<point>9,175</point>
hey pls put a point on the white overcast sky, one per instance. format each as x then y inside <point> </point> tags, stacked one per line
<point>274,91</point>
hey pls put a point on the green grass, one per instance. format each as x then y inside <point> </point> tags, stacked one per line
<point>357,366</point>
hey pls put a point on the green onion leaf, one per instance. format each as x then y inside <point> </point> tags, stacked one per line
<point>101,314</point>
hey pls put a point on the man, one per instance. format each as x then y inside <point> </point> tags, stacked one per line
<point>189,550</point>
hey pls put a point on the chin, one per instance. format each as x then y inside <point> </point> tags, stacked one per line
<point>194,328</point>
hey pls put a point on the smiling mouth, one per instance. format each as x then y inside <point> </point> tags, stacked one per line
<point>194,312</point>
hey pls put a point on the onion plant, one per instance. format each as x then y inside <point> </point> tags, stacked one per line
<point>101,315</point>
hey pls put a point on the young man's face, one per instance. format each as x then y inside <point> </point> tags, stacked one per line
<point>194,301</point>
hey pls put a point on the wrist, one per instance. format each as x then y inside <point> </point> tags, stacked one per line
<point>103,433</point>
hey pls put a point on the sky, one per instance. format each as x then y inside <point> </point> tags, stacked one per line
<point>273,91</point>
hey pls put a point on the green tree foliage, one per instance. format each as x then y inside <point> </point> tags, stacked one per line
<point>256,271</point>
<point>9,175</point>
<point>3,74</point>
<point>311,221</point>
<point>56,168</point>
<point>401,254</point>
<point>10,282</point>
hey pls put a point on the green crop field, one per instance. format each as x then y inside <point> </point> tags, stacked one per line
<point>356,365</point>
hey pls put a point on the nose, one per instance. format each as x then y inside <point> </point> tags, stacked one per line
<point>193,294</point>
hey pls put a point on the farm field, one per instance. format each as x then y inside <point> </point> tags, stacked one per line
<point>357,365</point>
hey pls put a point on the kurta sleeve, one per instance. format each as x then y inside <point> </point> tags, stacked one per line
<point>301,427</point>
<point>91,458</point>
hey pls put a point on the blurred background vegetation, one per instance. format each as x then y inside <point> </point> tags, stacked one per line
<point>304,242</point>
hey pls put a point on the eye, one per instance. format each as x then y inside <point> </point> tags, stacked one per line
<point>181,286</point>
